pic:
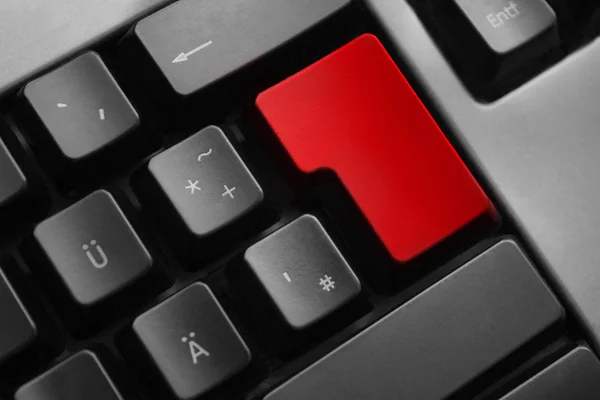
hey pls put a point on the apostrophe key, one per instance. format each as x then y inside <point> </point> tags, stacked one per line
<point>191,342</point>
<point>80,377</point>
<point>17,328</point>
<point>441,340</point>
<point>353,112</point>
<point>205,183</point>
<point>303,272</point>
<point>82,112</point>
<point>196,43</point>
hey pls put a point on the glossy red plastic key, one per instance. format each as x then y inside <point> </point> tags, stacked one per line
<point>355,113</point>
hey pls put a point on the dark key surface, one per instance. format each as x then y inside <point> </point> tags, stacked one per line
<point>192,342</point>
<point>93,248</point>
<point>37,34</point>
<point>195,43</point>
<point>206,181</point>
<point>79,377</point>
<point>17,328</point>
<point>506,25</point>
<point>575,376</point>
<point>81,106</point>
<point>303,272</point>
<point>471,320</point>
<point>12,179</point>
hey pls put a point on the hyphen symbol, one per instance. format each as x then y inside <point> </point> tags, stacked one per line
<point>327,283</point>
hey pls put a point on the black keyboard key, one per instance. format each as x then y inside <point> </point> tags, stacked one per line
<point>575,376</point>
<point>23,197</point>
<point>195,43</point>
<point>512,31</point>
<point>17,328</point>
<point>80,377</point>
<point>441,340</point>
<point>206,182</point>
<point>192,342</point>
<point>303,272</point>
<point>93,248</point>
<point>12,180</point>
<point>81,107</point>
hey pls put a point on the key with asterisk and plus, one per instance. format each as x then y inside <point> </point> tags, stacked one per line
<point>206,182</point>
<point>303,272</point>
<point>202,188</point>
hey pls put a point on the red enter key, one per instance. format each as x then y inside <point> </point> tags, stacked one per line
<point>354,112</point>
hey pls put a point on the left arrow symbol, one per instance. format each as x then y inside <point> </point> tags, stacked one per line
<point>61,105</point>
<point>184,56</point>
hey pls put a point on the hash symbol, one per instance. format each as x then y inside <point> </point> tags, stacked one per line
<point>327,282</point>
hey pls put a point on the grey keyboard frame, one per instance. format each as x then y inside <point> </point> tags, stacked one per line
<point>537,147</point>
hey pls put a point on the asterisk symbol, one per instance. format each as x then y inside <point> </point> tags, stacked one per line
<point>193,186</point>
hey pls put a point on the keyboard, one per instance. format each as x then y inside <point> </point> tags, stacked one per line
<point>296,199</point>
